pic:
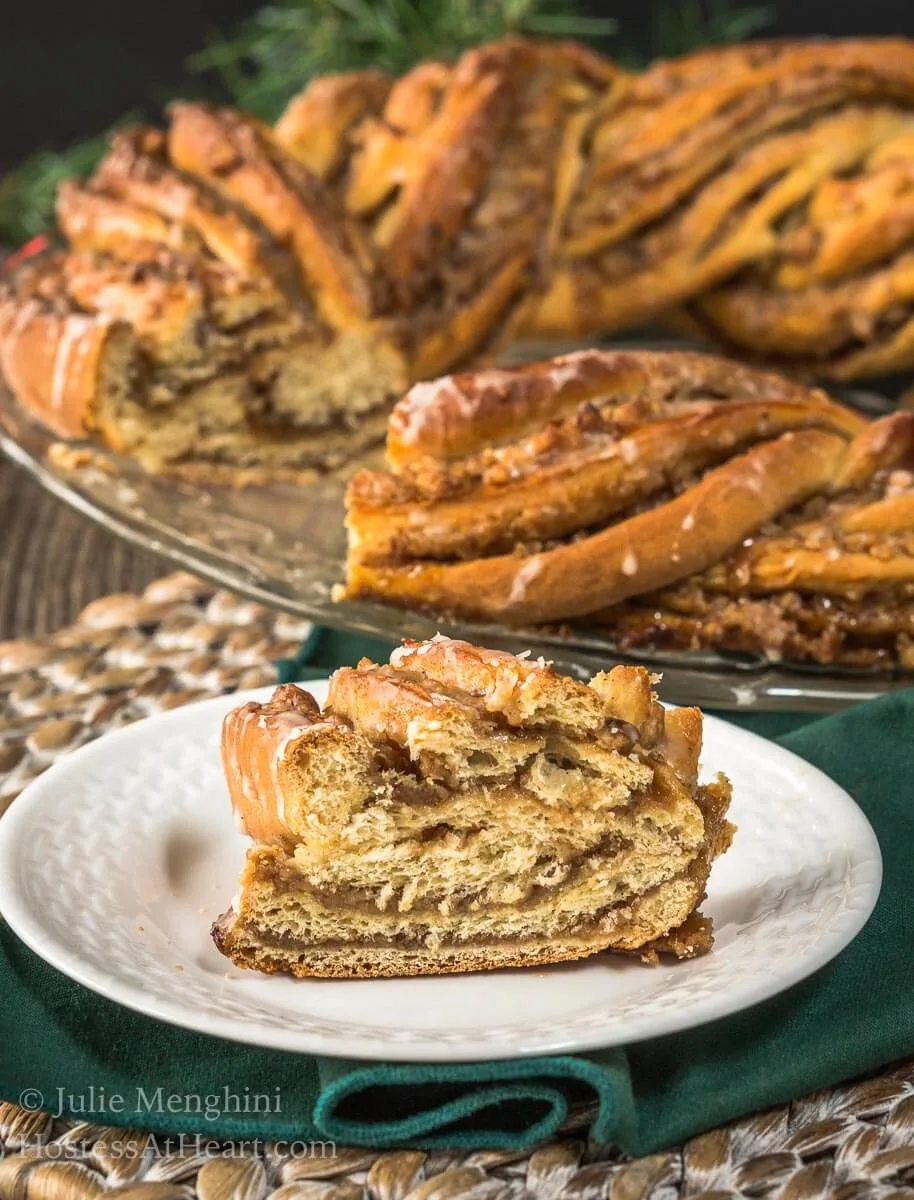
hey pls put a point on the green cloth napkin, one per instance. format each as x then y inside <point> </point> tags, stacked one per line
<point>58,1040</point>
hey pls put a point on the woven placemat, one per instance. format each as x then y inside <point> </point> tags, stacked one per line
<point>129,656</point>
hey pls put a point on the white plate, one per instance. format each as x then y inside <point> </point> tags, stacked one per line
<point>114,863</point>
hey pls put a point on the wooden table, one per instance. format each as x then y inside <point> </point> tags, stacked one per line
<point>54,561</point>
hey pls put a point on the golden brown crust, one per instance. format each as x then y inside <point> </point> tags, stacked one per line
<point>661,485</point>
<point>833,582</point>
<point>459,185</point>
<point>781,565</point>
<point>431,204</point>
<point>239,159</point>
<point>380,151</point>
<point>51,362</point>
<point>648,551</point>
<point>576,475</point>
<point>401,707</point>
<point>255,739</point>
<point>762,195</point>
<point>231,374</point>
<point>681,744</point>
<point>136,171</point>
<point>669,113</point>
<point>521,691</point>
<point>857,546</point>
<point>507,816</point>
<point>789,159</point>
<point>92,219</point>
<point>833,295</point>
<point>851,330</point>
<point>443,678</point>
<point>628,695</point>
<point>459,414</point>
<point>892,514</point>
<point>317,125</point>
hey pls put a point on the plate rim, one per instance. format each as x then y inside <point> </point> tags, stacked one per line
<point>27,925</point>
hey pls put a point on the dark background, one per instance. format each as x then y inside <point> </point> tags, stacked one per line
<point>68,69</point>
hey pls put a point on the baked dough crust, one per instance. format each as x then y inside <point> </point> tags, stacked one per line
<point>634,478</point>
<point>463,809</point>
<point>389,230</point>
<point>766,188</point>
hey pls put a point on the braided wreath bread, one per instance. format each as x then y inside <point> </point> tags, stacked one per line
<point>220,311</point>
<point>462,809</point>
<point>209,312</point>
<point>666,499</point>
<point>239,302</point>
<point>766,188</point>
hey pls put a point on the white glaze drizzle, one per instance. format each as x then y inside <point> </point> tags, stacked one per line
<point>416,406</point>
<point>630,563</point>
<point>74,329</point>
<point>523,577</point>
<point>296,727</point>
<point>22,318</point>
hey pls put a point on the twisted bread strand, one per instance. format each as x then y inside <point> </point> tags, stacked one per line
<point>789,161</point>
<point>249,302</point>
<point>213,309</point>
<point>651,497</point>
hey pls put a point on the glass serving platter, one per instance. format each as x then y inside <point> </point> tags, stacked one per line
<point>284,546</point>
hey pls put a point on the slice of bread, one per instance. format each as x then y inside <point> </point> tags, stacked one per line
<point>460,809</point>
